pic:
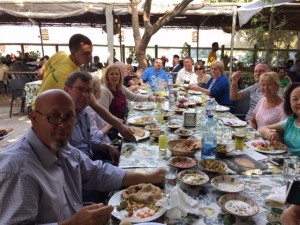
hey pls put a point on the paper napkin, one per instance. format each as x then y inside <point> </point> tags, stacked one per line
<point>278,196</point>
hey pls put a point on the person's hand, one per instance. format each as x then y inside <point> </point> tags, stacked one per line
<point>114,154</point>
<point>126,133</point>
<point>96,214</point>
<point>236,76</point>
<point>272,137</point>
<point>191,87</point>
<point>157,177</point>
<point>152,98</point>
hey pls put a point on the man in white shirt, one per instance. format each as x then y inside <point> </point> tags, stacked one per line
<point>186,74</point>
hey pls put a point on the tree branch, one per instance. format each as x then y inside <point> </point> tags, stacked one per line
<point>146,14</point>
<point>135,22</point>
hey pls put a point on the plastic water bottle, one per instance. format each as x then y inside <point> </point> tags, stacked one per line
<point>209,139</point>
<point>209,107</point>
<point>170,82</point>
<point>153,84</point>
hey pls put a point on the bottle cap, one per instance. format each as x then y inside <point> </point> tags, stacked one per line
<point>210,116</point>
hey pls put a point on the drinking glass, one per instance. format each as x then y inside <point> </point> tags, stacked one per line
<point>289,168</point>
<point>162,142</point>
<point>239,140</point>
<point>170,179</point>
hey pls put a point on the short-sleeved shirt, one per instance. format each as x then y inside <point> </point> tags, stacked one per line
<point>56,70</point>
<point>291,135</point>
<point>254,94</point>
<point>184,75</point>
<point>150,73</point>
<point>283,82</point>
<point>268,116</point>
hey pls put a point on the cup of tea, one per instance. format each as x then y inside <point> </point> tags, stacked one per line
<point>162,142</point>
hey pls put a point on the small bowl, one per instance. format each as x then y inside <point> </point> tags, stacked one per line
<point>192,178</point>
<point>214,166</point>
<point>182,162</point>
<point>238,205</point>
<point>191,104</point>
<point>174,125</point>
<point>198,103</point>
<point>179,111</point>
<point>223,149</point>
<point>156,133</point>
<point>183,133</point>
<point>227,184</point>
<point>152,127</point>
<point>167,115</point>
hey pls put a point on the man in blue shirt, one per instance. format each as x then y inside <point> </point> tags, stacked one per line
<point>42,175</point>
<point>154,71</point>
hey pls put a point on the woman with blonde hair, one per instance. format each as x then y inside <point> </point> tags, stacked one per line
<point>217,86</point>
<point>269,109</point>
<point>114,94</point>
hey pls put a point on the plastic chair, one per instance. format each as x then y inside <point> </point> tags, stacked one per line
<point>17,91</point>
<point>241,108</point>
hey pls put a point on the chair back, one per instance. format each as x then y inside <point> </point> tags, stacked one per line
<point>241,108</point>
<point>17,86</point>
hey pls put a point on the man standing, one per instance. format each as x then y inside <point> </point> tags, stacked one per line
<point>41,175</point>
<point>186,74</point>
<point>154,71</point>
<point>176,64</point>
<point>252,92</point>
<point>212,55</point>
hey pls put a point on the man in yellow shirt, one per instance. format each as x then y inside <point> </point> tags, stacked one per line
<point>212,55</point>
<point>60,65</point>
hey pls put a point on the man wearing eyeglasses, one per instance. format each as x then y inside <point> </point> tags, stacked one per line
<point>42,175</point>
<point>252,92</point>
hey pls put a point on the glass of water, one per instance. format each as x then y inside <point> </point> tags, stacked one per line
<point>289,168</point>
<point>170,179</point>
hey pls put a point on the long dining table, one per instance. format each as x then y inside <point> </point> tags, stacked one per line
<point>144,156</point>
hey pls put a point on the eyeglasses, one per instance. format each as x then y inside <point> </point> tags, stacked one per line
<point>199,68</point>
<point>83,90</point>
<point>56,119</point>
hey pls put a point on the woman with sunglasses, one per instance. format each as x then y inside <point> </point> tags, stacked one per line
<point>202,77</point>
<point>217,86</point>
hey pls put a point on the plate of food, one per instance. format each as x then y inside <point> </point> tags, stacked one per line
<point>156,133</point>
<point>136,204</point>
<point>234,122</point>
<point>221,108</point>
<point>152,126</point>
<point>174,125</point>
<point>184,133</point>
<point>182,162</point>
<point>265,147</point>
<point>215,166</point>
<point>142,107</point>
<point>143,91</point>
<point>5,133</point>
<point>223,149</point>
<point>139,133</point>
<point>238,205</point>
<point>228,184</point>
<point>140,120</point>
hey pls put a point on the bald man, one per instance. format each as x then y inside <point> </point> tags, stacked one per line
<point>42,176</point>
<point>252,92</point>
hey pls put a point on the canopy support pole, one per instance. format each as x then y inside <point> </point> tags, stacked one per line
<point>110,33</point>
<point>41,37</point>
<point>234,15</point>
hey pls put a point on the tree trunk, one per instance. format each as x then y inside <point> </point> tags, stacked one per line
<point>141,43</point>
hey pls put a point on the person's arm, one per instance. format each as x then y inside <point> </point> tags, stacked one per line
<point>272,133</point>
<point>197,88</point>
<point>288,78</point>
<point>291,216</point>
<point>108,117</point>
<point>131,178</point>
<point>234,93</point>
<point>252,122</point>
<point>133,96</point>
<point>41,74</point>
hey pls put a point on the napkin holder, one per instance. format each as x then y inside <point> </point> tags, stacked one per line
<point>189,118</point>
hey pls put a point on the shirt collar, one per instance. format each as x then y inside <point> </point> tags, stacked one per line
<point>42,152</point>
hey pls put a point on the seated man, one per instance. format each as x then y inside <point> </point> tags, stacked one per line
<point>154,71</point>
<point>42,175</point>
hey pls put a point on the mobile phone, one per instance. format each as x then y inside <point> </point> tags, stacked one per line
<point>278,160</point>
<point>293,193</point>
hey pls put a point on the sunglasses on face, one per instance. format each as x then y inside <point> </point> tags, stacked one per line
<point>199,68</point>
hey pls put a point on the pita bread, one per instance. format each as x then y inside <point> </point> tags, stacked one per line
<point>187,145</point>
<point>138,132</point>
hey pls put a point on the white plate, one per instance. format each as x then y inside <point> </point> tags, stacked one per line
<point>278,149</point>
<point>174,125</point>
<point>238,205</point>
<point>142,107</point>
<point>150,223</point>
<point>146,135</point>
<point>194,92</point>
<point>234,122</point>
<point>187,134</point>
<point>6,135</point>
<point>142,91</point>
<point>136,120</point>
<point>227,184</point>
<point>115,200</point>
<point>221,108</point>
